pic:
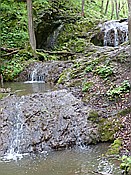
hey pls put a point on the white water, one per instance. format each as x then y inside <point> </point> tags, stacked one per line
<point>14,150</point>
<point>110,26</point>
<point>34,77</point>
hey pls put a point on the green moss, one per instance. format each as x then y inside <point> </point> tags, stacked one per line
<point>2,95</point>
<point>125,111</point>
<point>107,128</point>
<point>64,76</point>
<point>93,116</point>
<point>115,147</point>
<point>126,164</point>
<point>104,71</point>
<point>125,87</point>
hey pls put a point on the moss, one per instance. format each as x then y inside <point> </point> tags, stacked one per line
<point>115,147</point>
<point>93,116</point>
<point>2,95</point>
<point>64,76</point>
<point>125,111</point>
<point>107,128</point>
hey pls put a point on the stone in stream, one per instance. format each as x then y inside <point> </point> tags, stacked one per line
<point>38,122</point>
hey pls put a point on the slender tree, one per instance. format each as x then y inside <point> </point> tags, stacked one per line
<point>129,22</point>
<point>112,11</point>
<point>82,10</point>
<point>30,25</point>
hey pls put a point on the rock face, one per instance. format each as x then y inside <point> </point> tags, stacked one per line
<point>38,122</point>
<point>47,72</point>
<point>48,29</point>
<point>112,33</point>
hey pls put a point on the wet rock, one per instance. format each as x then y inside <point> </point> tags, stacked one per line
<point>46,72</point>
<point>112,33</point>
<point>40,121</point>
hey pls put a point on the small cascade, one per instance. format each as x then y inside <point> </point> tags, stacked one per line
<point>17,135</point>
<point>35,77</point>
<point>115,33</point>
<point>112,33</point>
<point>52,39</point>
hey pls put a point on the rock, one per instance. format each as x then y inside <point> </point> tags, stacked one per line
<point>49,120</point>
<point>112,33</point>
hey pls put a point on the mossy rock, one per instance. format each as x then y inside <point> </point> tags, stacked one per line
<point>108,127</point>
<point>115,147</point>
<point>64,76</point>
<point>93,116</point>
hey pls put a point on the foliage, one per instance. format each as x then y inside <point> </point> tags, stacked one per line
<point>86,86</point>
<point>11,69</point>
<point>118,91</point>
<point>108,127</point>
<point>91,65</point>
<point>115,147</point>
<point>13,24</point>
<point>93,116</point>
<point>104,71</point>
<point>126,164</point>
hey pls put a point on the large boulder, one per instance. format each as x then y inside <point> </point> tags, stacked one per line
<point>39,122</point>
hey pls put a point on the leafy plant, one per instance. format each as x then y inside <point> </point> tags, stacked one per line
<point>86,86</point>
<point>126,164</point>
<point>118,91</point>
<point>11,70</point>
<point>104,71</point>
<point>91,65</point>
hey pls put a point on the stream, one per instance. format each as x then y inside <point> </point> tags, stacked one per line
<point>77,161</point>
<point>24,88</point>
<point>80,160</point>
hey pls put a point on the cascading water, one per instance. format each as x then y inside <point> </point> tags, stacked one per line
<point>35,77</point>
<point>17,134</point>
<point>112,33</point>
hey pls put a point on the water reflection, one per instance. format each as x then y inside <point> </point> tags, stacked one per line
<point>68,162</point>
<point>21,88</point>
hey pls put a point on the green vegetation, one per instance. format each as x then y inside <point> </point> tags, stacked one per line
<point>86,86</point>
<point>104,71</point>
<point>107,128</point>
<point>14,31</point>
<point>115,147</point>
<point>118,91</point>
<point>126,164</point>
<point>93,116</point>
<point>91,65</point>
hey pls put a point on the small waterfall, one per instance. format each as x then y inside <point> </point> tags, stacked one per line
<point>17,135</point>
<point>35,77</point>
<point>116,42</point>
<point>52,39</point>
<point>115,33</point>
<point>105,38</point>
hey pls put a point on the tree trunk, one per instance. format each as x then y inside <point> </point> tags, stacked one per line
<point>129,22</point>
<point>107,4</point>
<point>117,15</point>
<point>30,25</point>
<point>112,6</point>
<point>82,10</point>
<point>102,5</point>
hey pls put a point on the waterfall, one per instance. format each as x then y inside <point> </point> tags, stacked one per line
<point>35,77</point>
<point>115,33</point>
<point>17,135</point>
<point>116,40</point>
